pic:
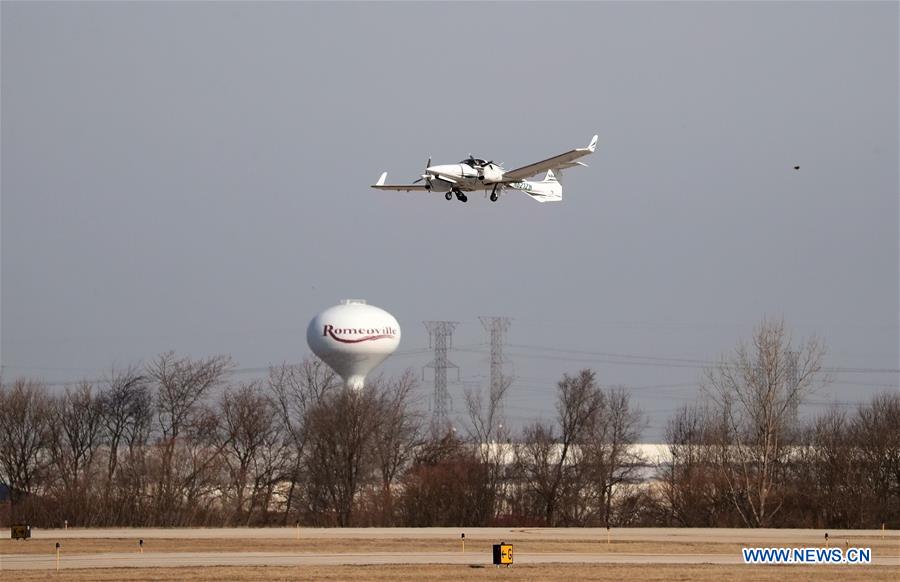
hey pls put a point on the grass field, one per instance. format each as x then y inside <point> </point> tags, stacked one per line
<point>92,546</point>
<point>570,573</point>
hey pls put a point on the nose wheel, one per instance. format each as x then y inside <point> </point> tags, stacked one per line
<point>494,194</point>
<point>459,195</point>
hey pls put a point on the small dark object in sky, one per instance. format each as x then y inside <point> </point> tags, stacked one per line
<point>796,167</point>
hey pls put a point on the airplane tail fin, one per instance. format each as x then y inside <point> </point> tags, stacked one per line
<point>547,190</point>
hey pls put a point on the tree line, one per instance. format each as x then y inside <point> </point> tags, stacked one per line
<point>176,443</point>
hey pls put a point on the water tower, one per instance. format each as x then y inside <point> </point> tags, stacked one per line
<point>353,338</point>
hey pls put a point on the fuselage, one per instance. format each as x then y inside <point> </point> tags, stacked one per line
<point>463,177</point>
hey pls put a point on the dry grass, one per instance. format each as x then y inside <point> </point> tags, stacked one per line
<point>356,545</point>
<point>571,573</point>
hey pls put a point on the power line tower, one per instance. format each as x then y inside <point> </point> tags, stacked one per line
<point>497,327</point>
<point>440,337</point>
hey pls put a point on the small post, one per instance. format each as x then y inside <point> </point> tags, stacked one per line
<point>607,535</point>
<point>57,556</point>
<point>298,529</point>
<point>141,545</point>
<point>66,524</point>
<point>826,539</point>
<point>882,530</point>
<point>462,538</point>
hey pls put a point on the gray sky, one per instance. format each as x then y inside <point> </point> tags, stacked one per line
<point>195,177</point>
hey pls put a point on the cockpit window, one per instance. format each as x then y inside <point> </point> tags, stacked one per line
<point>473,161</point>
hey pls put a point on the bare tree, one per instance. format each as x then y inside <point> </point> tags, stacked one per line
<point>485,418</point>
<point>847,471</point>
<point>540,469</point>
<point>252,448</point>
<point>295,390</point>
<point>756,393</point>
<point>118,403</point>
<point>550,463</point>
<point>827,473</point>
<point>134,477</point>
<point>690,481</point>
<point>445,486</point>
<point>609,452</point>
<point>24,420</point>
<point>397,434</point>
<point>490,436</point>
<point>875,432</point>
<point>75,431</point>
<point>339,462</point>
<point>125,406</point>
<point>182,385</point>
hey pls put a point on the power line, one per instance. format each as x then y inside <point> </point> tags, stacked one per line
<point>553,353</point>
<point>665,362</point>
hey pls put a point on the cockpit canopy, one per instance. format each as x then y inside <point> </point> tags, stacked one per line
<point>474,162</point>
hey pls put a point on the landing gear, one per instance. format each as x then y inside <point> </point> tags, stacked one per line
<point>458,193</point>
<point>494,194</point>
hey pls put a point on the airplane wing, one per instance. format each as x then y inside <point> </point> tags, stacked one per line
<point>562,161</point>
<point>399,187</point>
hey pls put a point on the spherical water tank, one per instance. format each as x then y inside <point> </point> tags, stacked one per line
<point>353,338</point>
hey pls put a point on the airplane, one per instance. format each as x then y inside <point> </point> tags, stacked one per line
<point>474,174</point>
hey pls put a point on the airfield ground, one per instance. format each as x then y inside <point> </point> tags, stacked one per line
<point>432,554</point>
<point>400,573</point>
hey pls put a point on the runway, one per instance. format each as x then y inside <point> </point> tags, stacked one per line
<point>696,535</point>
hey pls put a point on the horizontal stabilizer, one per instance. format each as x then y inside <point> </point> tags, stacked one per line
<point>380,185</point>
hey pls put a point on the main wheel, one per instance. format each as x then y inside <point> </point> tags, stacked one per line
<point>463,198</point>
<point>493,197</point>
<point>448,196</point>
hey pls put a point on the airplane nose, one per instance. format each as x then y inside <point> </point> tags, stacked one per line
<point>443,170</point>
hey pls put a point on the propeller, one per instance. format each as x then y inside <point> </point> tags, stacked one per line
<point>424,176</point>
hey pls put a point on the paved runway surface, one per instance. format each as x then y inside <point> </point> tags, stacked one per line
<point>663,534</point>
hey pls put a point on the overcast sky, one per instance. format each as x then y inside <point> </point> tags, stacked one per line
<point>195,177</point>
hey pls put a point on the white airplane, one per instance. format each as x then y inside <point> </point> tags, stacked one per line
<point>474,174</point>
